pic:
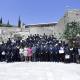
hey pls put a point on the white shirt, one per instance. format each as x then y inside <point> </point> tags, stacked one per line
<point>3,53</point>
<point>71,49</point>
<point>25,51</point>
<point>21,51</point>
<point>61,50</point>
<point>67,56</point>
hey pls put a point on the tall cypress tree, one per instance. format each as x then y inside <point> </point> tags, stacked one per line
<point>1,20</point>
<point>8,23</point>
<point>19,22</point>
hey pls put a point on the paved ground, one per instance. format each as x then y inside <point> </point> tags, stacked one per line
<point>39,71</point>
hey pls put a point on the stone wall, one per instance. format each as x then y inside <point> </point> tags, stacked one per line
<point>41,30</point>
<point>55,29</point>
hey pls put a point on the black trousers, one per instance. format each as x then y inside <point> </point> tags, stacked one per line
<point>61,57</point>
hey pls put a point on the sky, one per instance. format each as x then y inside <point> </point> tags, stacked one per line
<point>35,11</point>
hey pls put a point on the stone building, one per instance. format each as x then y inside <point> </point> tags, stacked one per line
<point>55,28</point>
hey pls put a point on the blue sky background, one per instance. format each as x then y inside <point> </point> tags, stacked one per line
<point>35,11</point>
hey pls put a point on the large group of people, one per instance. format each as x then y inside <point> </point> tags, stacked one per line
<point>39,48</point>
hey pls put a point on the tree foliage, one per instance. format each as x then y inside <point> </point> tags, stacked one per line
<point>8,24</point>
<point>1,20</point>
<point>19,22</point>
<point>71,30</point>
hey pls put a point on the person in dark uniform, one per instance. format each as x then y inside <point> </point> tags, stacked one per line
<point>67,55</point>
<point>8,42</point>
<point>16,55</point>
<point>61,54</point>
<point>9,54</point>
<point>0,52</point>
<point>51,52</point>
<point>78,55</point>
<point>56,52</point>
<point>41,52</point>
<point>71,54</point>
<point>75,54</point>
<point>47,56</point>
<point>3,53</point>
<point>37,52</point>
<point>33,53</point>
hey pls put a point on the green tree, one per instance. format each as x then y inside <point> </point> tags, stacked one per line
<point>1,20</point>
<point>72,29</point>
<point>8,24</point>
<point>19,22</point>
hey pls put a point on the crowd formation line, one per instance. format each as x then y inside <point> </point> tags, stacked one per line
<point>39,48</point>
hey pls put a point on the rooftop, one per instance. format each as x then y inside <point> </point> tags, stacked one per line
<point>42,25</point>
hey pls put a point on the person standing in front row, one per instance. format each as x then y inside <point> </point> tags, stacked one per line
<point>34,53</point>
<point>61,54</point>
<point>25,53</point>
<point>29,54</point>
<point>78,55</point>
